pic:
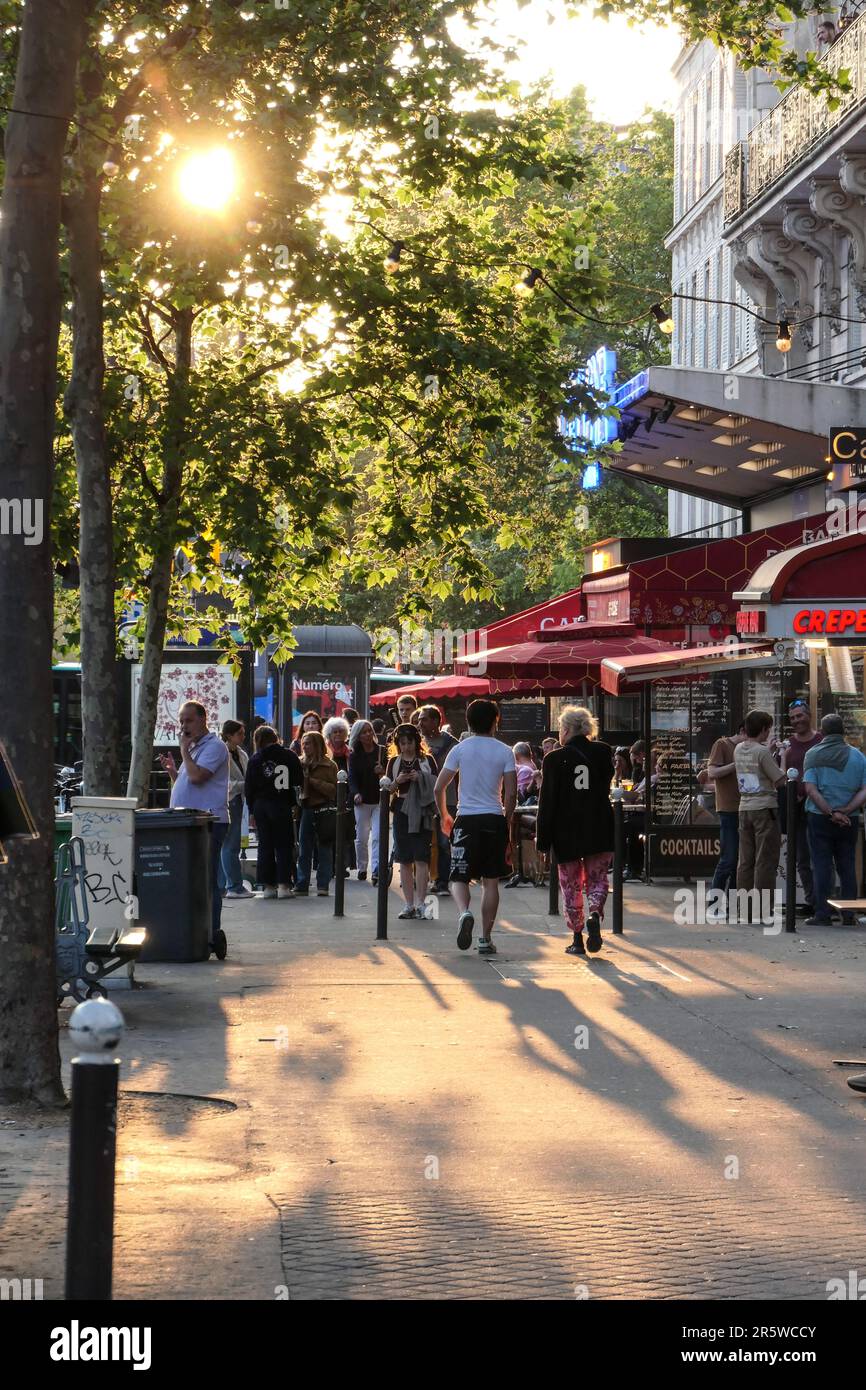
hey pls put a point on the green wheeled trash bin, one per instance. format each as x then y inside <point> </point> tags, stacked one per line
<point>173,883</point>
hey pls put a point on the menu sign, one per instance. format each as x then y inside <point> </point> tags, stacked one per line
<point>684,851</point>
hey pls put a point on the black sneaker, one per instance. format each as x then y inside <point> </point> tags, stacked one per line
<point>593,933</point>
<point>362,875</point>
<point>818,922</point>
<point>302,892</point>
<point>464,937</point>
<point>374,879</point>
<point>577,947</point>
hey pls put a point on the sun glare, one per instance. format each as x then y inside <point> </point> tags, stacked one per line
<point>208,180</point>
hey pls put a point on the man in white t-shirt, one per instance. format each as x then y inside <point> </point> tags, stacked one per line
<point>480,832</point>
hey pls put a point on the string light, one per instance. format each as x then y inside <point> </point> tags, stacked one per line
<point>392,261</point>
<point>664,321</point>
<point>526,286</point>
<point>783,338</point>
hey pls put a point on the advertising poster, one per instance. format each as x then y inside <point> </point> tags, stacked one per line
<point>327,696</point>
<point>212,685</point>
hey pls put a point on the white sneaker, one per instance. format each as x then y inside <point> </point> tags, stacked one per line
<point>268,893</point>
<point>285,890</point>
<point>238,893</point>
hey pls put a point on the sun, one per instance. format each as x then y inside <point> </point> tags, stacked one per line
<point>208,180</point>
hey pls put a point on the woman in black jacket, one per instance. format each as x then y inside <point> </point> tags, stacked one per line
<point>575,818</point>
<point>274,774</point>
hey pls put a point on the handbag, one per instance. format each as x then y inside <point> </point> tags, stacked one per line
<point>325,821</point>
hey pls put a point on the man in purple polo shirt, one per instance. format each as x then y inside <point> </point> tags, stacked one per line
<point>202,784</point>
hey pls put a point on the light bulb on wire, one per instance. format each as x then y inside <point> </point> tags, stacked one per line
<point>392,262</point>
<point>526,286</point>
<point>783,339</point>
<point>664,321</point>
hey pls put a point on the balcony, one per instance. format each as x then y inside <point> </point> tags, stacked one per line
<point>795,127</point>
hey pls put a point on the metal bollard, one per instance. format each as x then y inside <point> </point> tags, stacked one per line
<point>384,857</point>
<point>340,844</point>
<point>96,1027</point>
<point>791,851</point>
<point>553,890</point>
<point>618,856</point>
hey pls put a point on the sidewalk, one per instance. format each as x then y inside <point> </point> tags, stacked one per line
<point>325,1116</point>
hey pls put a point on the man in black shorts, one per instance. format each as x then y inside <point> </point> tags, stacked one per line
<point>480,831</point>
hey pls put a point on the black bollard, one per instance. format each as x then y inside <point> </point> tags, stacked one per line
<point>95,1027</point>
<point>384,857</point>
<point>340,846</point>
<point>618,856</point>
<point>553,891</point>
<point>791,851</point>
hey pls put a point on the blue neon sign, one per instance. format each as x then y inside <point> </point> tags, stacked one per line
<point>599,374</point>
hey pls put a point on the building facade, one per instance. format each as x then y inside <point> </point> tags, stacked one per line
<point>769,214</point>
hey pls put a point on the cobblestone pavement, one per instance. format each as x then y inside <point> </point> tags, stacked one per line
<point>345,1246</point>
<point>401,1119</point>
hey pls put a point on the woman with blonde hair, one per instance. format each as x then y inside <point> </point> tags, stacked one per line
<point>575,818</point>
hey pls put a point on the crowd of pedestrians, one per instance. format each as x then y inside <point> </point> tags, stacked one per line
<point>464,809</point>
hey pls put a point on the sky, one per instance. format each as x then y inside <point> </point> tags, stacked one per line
<point>624,69</point>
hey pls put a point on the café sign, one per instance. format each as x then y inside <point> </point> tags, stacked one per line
<point>848,446</point>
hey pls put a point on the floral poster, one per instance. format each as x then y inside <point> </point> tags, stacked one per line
<point>212,685</point>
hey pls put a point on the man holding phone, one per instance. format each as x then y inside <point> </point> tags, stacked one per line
<point>201,783</point>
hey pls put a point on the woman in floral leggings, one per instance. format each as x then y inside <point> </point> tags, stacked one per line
<point>575,818</point>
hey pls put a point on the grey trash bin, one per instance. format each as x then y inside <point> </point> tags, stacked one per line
<point>173,883</point>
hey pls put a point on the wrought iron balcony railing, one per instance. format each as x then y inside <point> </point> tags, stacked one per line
<point>795,126</point>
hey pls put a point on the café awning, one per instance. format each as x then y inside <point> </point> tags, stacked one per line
<point>440,688</point>
<point>559,667</point>
<point>691,586</point>
<point>619,673</point>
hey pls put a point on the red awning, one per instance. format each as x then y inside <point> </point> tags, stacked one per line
<point>553,614</point>
<point>556,668</point>
<point>441,688</point>
<point>618,673</point>
<point>693,586</point>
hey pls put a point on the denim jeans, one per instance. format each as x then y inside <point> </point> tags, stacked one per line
<point>230,874</point>
<point>218,834</point>
<point>832,844</point>
<point>725,876</point>
<point>308,842</point>
<point>804,857</point>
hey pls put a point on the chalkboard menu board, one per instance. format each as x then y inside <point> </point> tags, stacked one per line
<point>687,717</point>
<point>523,717</point>
<point>764,691</point>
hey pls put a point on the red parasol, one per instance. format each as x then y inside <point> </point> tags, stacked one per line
<point>558,667</point>
<point>440,688</point>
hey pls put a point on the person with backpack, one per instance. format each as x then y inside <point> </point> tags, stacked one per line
<point>273,778</point>
<point>575,819</point>
<point>412,773</point>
